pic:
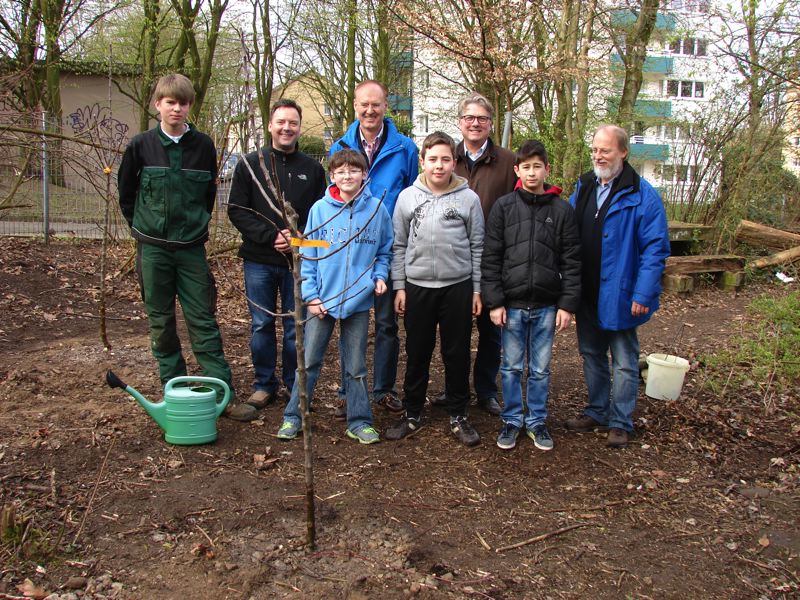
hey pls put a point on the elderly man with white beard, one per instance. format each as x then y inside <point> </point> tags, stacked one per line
<point>624,247</point>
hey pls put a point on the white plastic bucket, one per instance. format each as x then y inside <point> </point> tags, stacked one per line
<point>665,375</point>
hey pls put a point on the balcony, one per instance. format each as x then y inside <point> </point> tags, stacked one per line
<point>626,18</point>
<point>654,109</point>
<point>658,65</point>
<point>400,103</point>
<point>642,149</point>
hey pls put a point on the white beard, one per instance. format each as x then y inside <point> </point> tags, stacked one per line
<point>609,172</point>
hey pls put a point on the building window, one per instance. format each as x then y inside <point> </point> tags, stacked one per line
<point>424,79</point>
<point>326,110</point>
<point>327,135</point>
<point>421,123</point>
<point>685,89</point>
<point>796,141</point>
<point>688,46</point>
<point>796,161</point>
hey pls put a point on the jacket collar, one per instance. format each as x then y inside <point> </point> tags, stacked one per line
<point>488,155</point>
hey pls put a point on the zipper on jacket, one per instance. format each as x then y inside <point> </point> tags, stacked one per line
<point>345,291</point>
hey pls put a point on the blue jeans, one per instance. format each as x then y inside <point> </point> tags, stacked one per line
<point>353,348</point>
<point>387,347</point>
<point>612,393</point>
<point>487,358</point>
<point>262,284</point>
<point>531,330</point>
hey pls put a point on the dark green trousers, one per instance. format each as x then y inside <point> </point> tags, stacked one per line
<point>165,275</point>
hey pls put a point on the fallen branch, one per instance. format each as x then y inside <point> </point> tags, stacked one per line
<point>588,508</point>
<point>541,537</point>
<point>94,491</point>
<point>483,541</point>
<point>785,257</point>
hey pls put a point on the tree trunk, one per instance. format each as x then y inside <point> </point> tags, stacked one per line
<point>781,258</point>
<point>633,59</point>
<point>762,236</point>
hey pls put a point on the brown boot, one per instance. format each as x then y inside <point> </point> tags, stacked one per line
<point>583,424</point>
<point>617,438</point>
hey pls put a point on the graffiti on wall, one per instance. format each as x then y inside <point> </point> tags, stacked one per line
<point>97,124</point>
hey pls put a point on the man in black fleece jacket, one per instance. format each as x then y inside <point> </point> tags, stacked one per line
<point>266,251</point>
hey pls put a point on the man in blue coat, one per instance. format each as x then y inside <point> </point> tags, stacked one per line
<point>392,160</point>
<point>624,247</point>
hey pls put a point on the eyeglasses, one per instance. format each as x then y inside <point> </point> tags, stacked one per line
<point>469,119</point>
<point>346,172</point>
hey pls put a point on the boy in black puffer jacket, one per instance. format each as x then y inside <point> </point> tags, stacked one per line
<point>530,282</point>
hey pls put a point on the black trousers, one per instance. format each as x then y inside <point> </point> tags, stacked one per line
<point>451,309</point>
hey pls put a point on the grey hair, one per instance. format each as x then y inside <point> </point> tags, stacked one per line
<point>623,139</point>
<point>475,98</point>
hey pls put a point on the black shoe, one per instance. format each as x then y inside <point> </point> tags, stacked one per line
<point>405,427</point>
<point>464,431</point>
<point>490,405</point>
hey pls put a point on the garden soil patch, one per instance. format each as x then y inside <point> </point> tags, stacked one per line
<point>702,504</point>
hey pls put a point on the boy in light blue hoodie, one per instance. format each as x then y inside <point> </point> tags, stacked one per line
<point>339,282</point>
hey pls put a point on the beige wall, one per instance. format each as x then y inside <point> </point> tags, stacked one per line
<point>315,121</point>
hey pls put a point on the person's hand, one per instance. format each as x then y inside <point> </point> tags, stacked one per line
<point>400,302</point>
<point>639,310</point>
<point>563,319</point>
<point>281,243</point>
<point>476,304</point>
<point>317,308</point>
<point>498,316</point>
<point>380,287</point>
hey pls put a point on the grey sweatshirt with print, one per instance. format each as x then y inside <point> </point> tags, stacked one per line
<point>438,238</point>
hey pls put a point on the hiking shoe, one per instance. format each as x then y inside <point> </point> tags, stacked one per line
<point>617,438</point>
<point>541,437</point>
<point>583,424</point>
<point>490,405</point>
<point>507,438</point>
<point>241,412</point>
<point>464,431</point>
<point>365,435</point>
<point>404,428</point>
<point>288,430</point>
<point>439,400</point>
<point>340,411</point>
<point>391,403</point>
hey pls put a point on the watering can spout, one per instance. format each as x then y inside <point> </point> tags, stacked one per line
<point>157,411</point>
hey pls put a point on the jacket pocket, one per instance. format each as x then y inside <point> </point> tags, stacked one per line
<point>150,214</point>
<point>195,215</point>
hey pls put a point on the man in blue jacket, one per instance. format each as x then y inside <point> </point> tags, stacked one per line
<point>624,247</point>
<point>392,160</point>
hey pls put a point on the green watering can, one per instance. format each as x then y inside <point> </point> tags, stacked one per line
<point>187,414</point>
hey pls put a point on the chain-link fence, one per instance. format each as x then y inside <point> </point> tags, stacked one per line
<point>55,186</point>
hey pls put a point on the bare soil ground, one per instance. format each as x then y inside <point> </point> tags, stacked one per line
<point>702,504</point>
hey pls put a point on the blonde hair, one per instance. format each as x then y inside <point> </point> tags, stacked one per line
<point>175,86</point>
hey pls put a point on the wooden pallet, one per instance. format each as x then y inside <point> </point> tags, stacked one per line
<point>681,271</point>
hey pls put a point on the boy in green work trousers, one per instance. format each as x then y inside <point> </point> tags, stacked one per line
<point>166,192</point>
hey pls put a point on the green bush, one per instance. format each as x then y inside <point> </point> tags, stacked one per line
<point>768,349</point>
<point>312,144</point>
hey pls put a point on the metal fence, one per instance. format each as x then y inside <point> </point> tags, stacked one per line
<point>73,204</point>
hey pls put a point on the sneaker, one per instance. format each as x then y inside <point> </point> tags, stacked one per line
<point>365,435</point>
<point>541,437</point>
<point>507,438</point>
<point>584,423</point>
<point>617,438</point>
<point>404,428</point>
<point>465,432</point>
<point>241,412</point>
<point>340,412</point>
<point>391,403</point>
<point>288,430</point>
<point>439,400</point>
<point>490,405</point>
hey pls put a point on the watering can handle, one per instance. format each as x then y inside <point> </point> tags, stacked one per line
<point>187,379</point>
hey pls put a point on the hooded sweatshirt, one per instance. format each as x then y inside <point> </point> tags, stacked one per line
<point>438,237</point>
<point>344,276</point>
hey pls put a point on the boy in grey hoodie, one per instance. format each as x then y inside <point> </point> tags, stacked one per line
<point>436,272</point>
